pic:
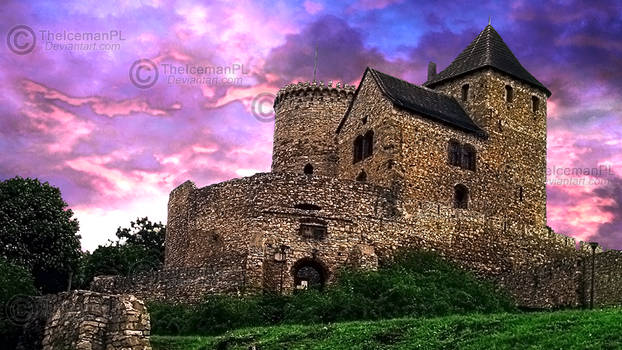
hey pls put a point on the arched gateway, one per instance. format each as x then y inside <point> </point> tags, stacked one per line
<point>308,273</point>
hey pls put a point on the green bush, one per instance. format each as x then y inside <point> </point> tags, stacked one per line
<point>414,284</point>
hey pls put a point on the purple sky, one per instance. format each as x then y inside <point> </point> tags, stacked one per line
<point>71,115</point>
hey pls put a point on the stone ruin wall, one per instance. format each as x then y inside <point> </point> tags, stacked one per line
<point>86,320</point>
<point>307,115</point>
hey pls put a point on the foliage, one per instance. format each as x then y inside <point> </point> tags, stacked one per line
<point>37,231</point>
<point>415,284</point>
<point>599,329</point>
<point>14,281</point>
<point>137,249</point>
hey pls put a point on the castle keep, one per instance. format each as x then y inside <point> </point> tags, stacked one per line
<point>456,165</point>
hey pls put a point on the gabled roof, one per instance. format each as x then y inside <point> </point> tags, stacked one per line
<point>487,50</point>
<point>422,101</point>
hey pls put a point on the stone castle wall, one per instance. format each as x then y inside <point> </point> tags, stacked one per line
<point>87,320</point>
<point>175,285</point>
<point>306,117</point>
<point>567,282</point>
<point>363,222</point>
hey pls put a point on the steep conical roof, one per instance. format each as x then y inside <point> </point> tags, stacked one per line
<point>487,50</point>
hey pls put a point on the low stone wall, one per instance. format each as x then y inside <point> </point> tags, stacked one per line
<point>86,320</point>
<point>179,285</point>
<point>568,282</point>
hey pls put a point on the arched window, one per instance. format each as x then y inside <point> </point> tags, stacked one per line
<point>461,197</point>
<point>368,144</point>
<point>535,104</point>
<point>509,93</point>
<point>362,177</point>
<point>363,146</point>
<point>454,152</point>
<point>469,157</point>
<point>465,92</point>
<point>308,170</point>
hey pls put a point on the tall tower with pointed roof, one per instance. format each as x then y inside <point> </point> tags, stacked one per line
<point>509,103</point>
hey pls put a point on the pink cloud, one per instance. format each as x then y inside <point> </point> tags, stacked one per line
<point>312,7</point>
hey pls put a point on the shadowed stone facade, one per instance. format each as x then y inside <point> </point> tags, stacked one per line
<point>457,166</point>
<point>86,320</point>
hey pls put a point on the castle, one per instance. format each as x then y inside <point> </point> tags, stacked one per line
<point>456,166</point>
<point>360,172</point>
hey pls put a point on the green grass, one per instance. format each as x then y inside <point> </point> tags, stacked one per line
<point>601,329</point>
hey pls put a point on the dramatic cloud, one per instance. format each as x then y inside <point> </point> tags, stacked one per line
<point>73,117</point>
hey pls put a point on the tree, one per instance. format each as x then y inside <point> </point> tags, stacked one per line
<point>138,248</point>
<point>37,231</point>
<point>16,284</point>
<point>147,235</point>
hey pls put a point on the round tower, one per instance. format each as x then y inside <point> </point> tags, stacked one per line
<point>306,118</point>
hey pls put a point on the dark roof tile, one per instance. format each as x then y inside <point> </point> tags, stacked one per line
<point>426,102</point>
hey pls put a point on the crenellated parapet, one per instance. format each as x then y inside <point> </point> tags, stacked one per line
<point>314,91</point>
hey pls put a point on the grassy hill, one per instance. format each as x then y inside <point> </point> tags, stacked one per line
<point>600,329</point>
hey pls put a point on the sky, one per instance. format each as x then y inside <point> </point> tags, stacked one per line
<point>82,108</point>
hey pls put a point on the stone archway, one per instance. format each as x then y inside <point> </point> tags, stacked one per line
<point>309,273</point>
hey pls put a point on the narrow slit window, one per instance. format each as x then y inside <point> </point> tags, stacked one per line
<point>535,104</point>
<point>465,92</point>
<point>509,93</point>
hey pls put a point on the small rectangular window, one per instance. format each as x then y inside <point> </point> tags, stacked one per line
<point>535,104</point>
<point>509,93</point>
<point>313,231</point>
<point>465,92</point>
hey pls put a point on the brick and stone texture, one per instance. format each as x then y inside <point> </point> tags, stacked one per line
<point>306,117</point>
<point>86,320</point>
<point>568,282</point>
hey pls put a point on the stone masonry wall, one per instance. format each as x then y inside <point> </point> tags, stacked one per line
<point>86,320</point>
<point>176,285</point>
<point>411,151</point>
<point>307,115</point>
<point>514,155</point>
<point>567,282</point>
<point>262,215</point>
